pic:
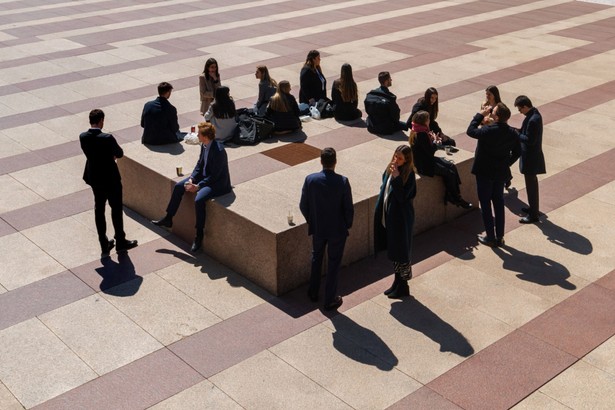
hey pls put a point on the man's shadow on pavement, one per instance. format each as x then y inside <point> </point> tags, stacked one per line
<point>566,239</point>
<point>118,273</point>
<point>413,314</point>
<point>533,268</point>
<point>372,350</point>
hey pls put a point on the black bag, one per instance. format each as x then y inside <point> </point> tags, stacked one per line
<point>325,108</point>
<point>253,129</point>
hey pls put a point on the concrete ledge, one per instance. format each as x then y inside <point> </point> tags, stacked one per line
<point>247,229</point>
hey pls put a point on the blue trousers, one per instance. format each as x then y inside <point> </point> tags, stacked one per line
<point>199,202</point>
<point>491,193</point>
<point>335,251</point>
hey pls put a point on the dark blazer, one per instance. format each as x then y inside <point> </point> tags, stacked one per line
<point>344,110</point>
<point>396,237</point>
<point>326,204</point>
<point>101,150</point>
<point>265,92</point>
<point>216,175</point>
<point>311,86</point>
<point>159,122</point>
<point>497,149</point>
<point>423,151</point>
<point>285,121</point>
<point>532,160</point>
<point>382,111</point>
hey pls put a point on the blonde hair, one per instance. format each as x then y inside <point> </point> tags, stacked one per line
<point>278,101</point>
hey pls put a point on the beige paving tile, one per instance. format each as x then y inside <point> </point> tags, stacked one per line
<point>36,366</point>
<point>218,288</point>
<point>71,126</point>
<point>78,245</point>
<point>358,378</point>
<point>266,381</point>
<point>14,194</point>
<point>33,71</point>
<point>9,147</point>
<point>99,334</point>
<point>162,310</point>
<point>203,396</point>
<point>605,193</point>
<point>582,386</point>
<point>7,400</point>
<point>23,262</point>
<point>33,136</point>
<point>603,357</point>
<point>24,101</point>
<point>61,178</point>
<point>461,282</point>
<point>539,400</point>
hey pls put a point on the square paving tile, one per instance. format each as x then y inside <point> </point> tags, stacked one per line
<point>603,356</point>
<point>14,194</point>
<point>162,310</point>
<point>203,395</point>
<point>293,154</point>
<point>7,400</point>
<point>539,400</point>
<point>57,181</point>
<point>98,333</point>
<point>36,366</point>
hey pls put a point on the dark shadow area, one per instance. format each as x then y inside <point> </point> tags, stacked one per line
<point>533,268</point>
<point>227,199</point>
<point>566,239</point>
<point>117,273</point>
<point>358,123</point>
<point>295,136</point>
<point>396,136</point>
<point>171,149</point>
<point>413,314</point>
<point>369,349</point>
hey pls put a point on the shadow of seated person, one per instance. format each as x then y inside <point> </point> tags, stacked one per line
<point>566,239</point>
<point>119,273</point>
<point>413,314</point>
<point>533,268</point>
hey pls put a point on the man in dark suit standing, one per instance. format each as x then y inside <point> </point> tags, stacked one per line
<point>326,204</point>
<point>382,109</point>
<point>102,174</point>
<point>209,179</point>
<point>532,160</point>
<point>497,149</point>
<point>159,119</point>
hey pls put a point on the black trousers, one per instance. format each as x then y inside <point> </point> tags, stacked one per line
<point>335,251</point>
<point>113,194</point>
<point>448,172</point>
<point>491,193</point>
<point>531,188</point>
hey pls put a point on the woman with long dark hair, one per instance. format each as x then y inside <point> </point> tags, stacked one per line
<point>312,82</point>
<point>429,103</point>
<point>267,87</point>
<point>283,109</point>
<point>221,114</point>
<point>345,96</point>
<point>492,98</point>
<point>394,218</point>
<point>209,80</point>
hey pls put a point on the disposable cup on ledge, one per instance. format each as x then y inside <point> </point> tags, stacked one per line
<point>180,171</point>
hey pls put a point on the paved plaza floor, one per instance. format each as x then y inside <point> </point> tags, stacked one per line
<point>530,325</point>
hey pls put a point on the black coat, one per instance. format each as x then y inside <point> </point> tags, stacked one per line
<point>532,161</point>
<point>344,110</point>
<point>101,150</point>
<point>311,86</point>
<point>421,105</point>
<point>285,121</point>
<point>497,149</point>
<point>382,111</point>
<point>423,151</point>
<point>159,122</point>
<point>396,237</point>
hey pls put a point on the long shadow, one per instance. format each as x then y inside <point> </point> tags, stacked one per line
<point>118,273</point>
<point>396,136</point>
<point>413,314</point>
<point>358,123</point>
<point>371,349</point>
<point>566,239</point>
<point>533,268</point>
<point>171,149</point>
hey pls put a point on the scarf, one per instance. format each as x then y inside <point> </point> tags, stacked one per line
<point>419,128</point>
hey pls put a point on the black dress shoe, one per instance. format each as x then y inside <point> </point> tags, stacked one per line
<point>196,245</point>
<point>463,204</point>
<point>400,291</point>
<point>126,245</point>
<point>528,220</point>
<point>499,242</point>
<point>106,248</point>
<point>486,241</point>
<point>337,302</point>
<point>165,222</point>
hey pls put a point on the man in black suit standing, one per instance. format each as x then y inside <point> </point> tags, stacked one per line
<point>102,174</point>
<point>532,160</point>
<point>326,204</point>
<point>382,109</point>
<point>497,149</point>
<point>159,119</point>
<point>209,179</point>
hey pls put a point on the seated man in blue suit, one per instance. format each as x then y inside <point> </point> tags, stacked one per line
<point>326,204</point>
<point>209,179</point>
<point>159,119</point>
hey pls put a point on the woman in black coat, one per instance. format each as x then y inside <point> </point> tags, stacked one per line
<point>283,109</point>
<point>424,145</point>
<point>345,96</point>
<point>429,103</point>
<point>394,218</point>
<point>312,83</point>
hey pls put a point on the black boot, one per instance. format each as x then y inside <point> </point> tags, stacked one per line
<point>394,285</point>
<point>198,241</point>
<point>400,291</point>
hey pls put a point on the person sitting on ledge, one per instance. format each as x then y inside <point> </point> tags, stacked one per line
<point>423,142</point>
<point>382,109</point>
<point>159,119</point>
<point>283,110</point>
<point>221,113</point>
<point>209,179</point>
<point>429,103</point>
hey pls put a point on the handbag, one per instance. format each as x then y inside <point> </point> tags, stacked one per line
<point>252,130</point>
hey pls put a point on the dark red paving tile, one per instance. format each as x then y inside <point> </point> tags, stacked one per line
<point>343,138</point>
<point>62,151</point>
<point>253,166</point>
<point>20,161</point>
<point>138,385</point>
<point>599,167</point>
<point>5,228</point>
<point>607,281</point>
<point>566,186</point>
<point>293,154</point>
<point>502,374</point>
<point>424,398</point>
<point>49,211</point>
<point>223,345</point>
<point>578,324</point>
<point>24,118</point>
<point>39,297</point>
